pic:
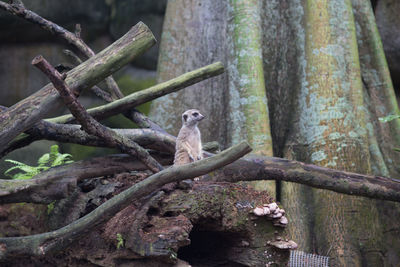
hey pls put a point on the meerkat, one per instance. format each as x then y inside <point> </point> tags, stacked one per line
<point>188,143</point>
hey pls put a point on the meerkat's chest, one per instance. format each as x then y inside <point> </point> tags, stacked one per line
<point>194,138</point>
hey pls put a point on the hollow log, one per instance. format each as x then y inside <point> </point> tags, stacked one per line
<point>207,224</point>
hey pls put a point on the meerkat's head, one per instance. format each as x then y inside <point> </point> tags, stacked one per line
<point>191,117</point>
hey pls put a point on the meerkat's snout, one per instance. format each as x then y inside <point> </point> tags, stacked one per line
<point>200,117</point>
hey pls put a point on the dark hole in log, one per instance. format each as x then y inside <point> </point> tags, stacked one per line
<point>209,248</point>
<point>170,214</point>
<point>153,211</point>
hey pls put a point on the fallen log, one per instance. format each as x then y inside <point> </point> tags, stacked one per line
<point>250,168</point>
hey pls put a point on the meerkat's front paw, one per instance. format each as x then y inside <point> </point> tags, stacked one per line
<point>199,157</point>
<point>191,158</point>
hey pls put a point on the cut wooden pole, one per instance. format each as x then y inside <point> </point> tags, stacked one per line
<point>149,94</point>
<point>27,112</point>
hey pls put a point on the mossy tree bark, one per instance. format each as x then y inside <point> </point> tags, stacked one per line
<point>327,83</point>
<point>248,102</point>
<point>239,97</point>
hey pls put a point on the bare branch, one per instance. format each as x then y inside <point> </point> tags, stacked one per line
<point>71,38</point>
<point>73,56</point>
<point>149,94</point>
<point>41,244</point>
<point>143,121</point>
<point>271,168</point>
<point>89,124</point>
<point>71,133</point>
<point>102,94</point>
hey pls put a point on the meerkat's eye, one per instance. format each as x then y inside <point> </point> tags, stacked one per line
<point>195,114</point>
<point>185,117</point>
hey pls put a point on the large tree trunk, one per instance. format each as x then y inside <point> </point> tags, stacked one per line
<point>238,97</point>
<point>327,84</point>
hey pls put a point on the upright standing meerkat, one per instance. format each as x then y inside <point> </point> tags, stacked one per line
<point>188,143</point>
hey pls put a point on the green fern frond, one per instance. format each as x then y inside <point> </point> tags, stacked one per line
<point>61,159</point>
<point>52,159</point>
<point>43,160</point>
<point>15,162</point>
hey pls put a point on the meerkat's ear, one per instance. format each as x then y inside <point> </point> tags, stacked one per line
<point>185,117</point>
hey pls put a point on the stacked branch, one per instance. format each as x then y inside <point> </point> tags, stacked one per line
<point>23,115</point>
<point>89,124</point>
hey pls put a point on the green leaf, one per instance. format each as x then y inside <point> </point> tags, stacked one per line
<point>60,159</point>
<point>14,162</point>
<point>389,118</point>
<point>21,176</point>
<point>120,241</point>
<point>50,207</point>
<point>43,160</point>
<point>54,150</point>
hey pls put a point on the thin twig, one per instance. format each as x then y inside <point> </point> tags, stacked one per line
<point>89,124</point>
<point>106,96</point>
<point>73,56</point>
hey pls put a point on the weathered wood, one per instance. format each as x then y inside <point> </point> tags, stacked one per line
<point>27,112</point>
<point>271,168</point>
<point>42,244</point>
<point>58,182</point>
<point>149,94</point>
<point>89,124</point>
<point>251,168</point>
<point>71,133</point>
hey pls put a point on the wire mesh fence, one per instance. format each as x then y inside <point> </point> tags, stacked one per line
<point>302,259</point>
